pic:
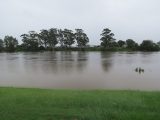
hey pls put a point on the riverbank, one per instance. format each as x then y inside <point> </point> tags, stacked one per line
<point>114,49</point>
<point>38,104</point>
<point>88,49</point>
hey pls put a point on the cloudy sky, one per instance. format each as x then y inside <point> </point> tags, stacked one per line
<point>136,19</point>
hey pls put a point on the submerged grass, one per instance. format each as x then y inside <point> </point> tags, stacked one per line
<point>37,104</point>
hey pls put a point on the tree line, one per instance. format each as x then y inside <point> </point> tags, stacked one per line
<point>58,39</point>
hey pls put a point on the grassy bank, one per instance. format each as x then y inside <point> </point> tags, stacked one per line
<point>36,104</point>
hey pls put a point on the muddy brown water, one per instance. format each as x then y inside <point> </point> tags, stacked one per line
<point>81,70</point>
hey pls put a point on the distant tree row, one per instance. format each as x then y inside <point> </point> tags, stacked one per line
<point>108,41</point>
<point>48,39</point>
<point>65,39</point>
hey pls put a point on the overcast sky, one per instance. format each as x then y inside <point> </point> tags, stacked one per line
<point>136,19</point>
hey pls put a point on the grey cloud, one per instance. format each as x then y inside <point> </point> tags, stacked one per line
<point>137,19</point>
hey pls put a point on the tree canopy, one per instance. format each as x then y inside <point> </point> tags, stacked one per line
<point>107,39</point>
<point>131,44</point>
<point>1,45</point>
<point>10,43</point>
<point>81,38</point>
<point>30,41</point>
<point>121,43</point>
<point>149,45</point>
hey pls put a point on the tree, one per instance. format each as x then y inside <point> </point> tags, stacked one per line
<point>53,38</point>
<point>31,41</point>
<point>1,45</point>
<point>131,44</point>
<point>121,43</point>
<point>68,37</point>
<point>49,38</point>
<point>114,44</point>
<point>44,36</point>
<point>149,45</point>
<point>107,38</point>
<point>81,38</point>
<point>10,43</point>
<point>158,43</point>
<point>61,37</point>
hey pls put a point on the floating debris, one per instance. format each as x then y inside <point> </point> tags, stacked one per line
<point>139,70</point>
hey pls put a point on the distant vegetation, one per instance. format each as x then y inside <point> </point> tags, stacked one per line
<point>58,39</point>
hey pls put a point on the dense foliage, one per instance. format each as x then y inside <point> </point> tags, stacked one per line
<point>58,39</point>
<point>10,43</point>
<point>107,39</point>
<point>149,45</point>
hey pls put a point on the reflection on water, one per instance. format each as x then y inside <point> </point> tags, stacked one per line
<point>81,70</point>
<point>55,62</point>
<point>106,59</point>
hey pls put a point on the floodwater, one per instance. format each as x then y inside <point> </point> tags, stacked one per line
<point>81,70</point>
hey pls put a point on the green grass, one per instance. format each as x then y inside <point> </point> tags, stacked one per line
<point>37,104</point>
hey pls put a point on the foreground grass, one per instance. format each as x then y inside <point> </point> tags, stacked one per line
<point>36,104</point>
